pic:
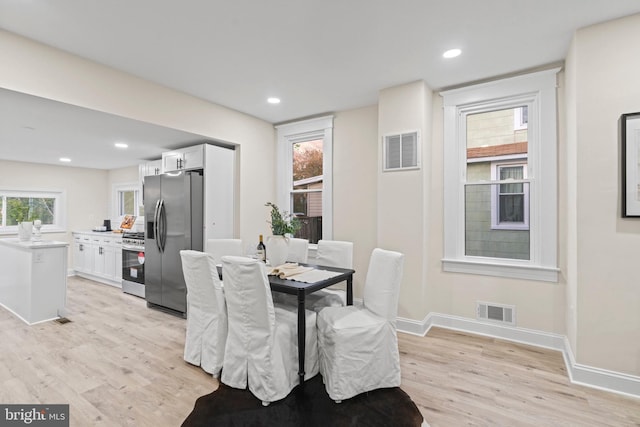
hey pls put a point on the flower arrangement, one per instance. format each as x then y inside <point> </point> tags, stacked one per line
<point>282,222</point>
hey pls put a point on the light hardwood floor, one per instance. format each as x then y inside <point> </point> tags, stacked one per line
<point>118,363</point>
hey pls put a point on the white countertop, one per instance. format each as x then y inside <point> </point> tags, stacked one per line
<point>33,244</point>
<point>99,233</point>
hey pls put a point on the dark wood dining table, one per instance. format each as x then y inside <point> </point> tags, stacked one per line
<point>302,289</point>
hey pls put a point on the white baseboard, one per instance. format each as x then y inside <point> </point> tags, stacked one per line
<point>109,282</point>
<point>602,379</point>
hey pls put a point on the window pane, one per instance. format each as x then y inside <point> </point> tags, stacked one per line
<point>492,135</point>
<point>308,208</point>
<point>512,208</point>
<point>30,208</point>
<point>128,202</point>
<point>307,161</point>
<point>481,239</point>
<point>308,178</point>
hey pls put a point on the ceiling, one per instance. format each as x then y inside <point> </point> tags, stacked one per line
<point>316,56</point>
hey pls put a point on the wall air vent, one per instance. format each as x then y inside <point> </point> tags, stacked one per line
<point>497,313</point>
<point>401,151</point>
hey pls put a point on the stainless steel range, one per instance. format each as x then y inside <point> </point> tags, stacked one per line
<point>133,263</point>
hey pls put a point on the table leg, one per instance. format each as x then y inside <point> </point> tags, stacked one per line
<point>350,290</point>
<point>302,329</point>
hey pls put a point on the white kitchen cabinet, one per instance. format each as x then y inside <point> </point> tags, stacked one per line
<point>82,253</point>
<point>153,167</point>
<point>98,257</point>
<point>34,277</point>
<point>183,159</point>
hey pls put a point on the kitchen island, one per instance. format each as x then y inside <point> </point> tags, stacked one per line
<point>33,278</point>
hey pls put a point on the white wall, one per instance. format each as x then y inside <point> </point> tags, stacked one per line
<point>403,198</point>
<point>355,174</point>
<point>43,71</point>
<point>86,202</point>
<point>603,74</point>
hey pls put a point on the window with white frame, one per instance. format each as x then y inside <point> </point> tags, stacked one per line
<point>127,199</point>
<point>305,175</point>
<point>510,199</point>
<point>17,206</point>
<point>501,179</point>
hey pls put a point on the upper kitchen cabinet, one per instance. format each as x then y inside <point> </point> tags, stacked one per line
<point>183,159</point>
<point>153,167</point>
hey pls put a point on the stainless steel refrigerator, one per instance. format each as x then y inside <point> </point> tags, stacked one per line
<point>173,210</point>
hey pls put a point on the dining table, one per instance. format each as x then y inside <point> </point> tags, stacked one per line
<point>301,290</point>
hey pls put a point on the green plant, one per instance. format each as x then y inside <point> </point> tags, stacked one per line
<point>282,222</point>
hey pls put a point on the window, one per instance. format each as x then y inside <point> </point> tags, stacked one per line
<point>510,201</point>
<point>128,202</point>
<point>501,179</point>
<point>127,199</point>
<point>304,175</point>
<point>18,206</point>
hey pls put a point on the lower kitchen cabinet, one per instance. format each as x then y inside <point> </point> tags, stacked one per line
<point>98,256</point>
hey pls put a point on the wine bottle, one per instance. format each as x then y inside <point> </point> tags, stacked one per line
<point>261,251</point>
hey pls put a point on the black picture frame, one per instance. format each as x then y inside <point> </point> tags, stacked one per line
<point>630,164</point>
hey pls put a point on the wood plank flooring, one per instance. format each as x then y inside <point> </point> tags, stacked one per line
<point>118,363</point>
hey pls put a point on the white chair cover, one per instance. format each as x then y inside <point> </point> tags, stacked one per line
<point>221,247</point>
<point>298,250</point>
<point>358,345</point>
<point>332,253</point>
<point>262,344</point>
<point>206,312</point>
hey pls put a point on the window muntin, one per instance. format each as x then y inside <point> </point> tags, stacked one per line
<point>19,206</point>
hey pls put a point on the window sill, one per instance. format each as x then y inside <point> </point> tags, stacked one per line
<point>527,272</point>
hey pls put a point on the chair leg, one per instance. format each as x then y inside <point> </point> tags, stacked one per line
<point>338,401</point>
<point>265,403</point>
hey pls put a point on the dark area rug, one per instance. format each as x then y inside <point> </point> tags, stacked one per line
<point>309,406</point>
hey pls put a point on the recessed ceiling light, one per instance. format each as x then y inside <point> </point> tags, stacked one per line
<point>121,145</point>
<point>65,159</point>
<point>273,100</point>
<point>452,53</point>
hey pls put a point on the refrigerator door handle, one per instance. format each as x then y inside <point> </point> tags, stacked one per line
<point>162,219</point>
<point>156,224</point>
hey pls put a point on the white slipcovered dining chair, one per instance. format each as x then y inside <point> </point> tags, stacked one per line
<point>206,312</point>
<point>221,247</point>
<point>298,250</point>
<point>358,345</point>
<point>332,253</point>
<point>262,343</point>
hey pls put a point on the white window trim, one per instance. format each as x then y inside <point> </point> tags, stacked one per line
<point>306,130</point>
<point>495,200</point>
<point>538,91</point>
<point>60,214</point>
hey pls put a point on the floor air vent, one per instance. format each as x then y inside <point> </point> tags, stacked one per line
<point>498,313</point>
